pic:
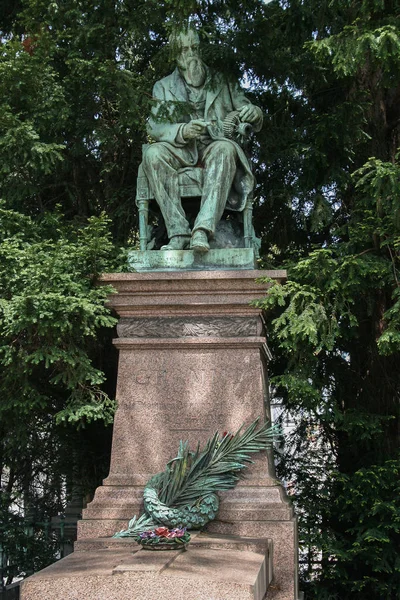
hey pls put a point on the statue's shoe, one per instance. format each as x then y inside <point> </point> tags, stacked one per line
<point>178,242</point>
<point>199,241</point>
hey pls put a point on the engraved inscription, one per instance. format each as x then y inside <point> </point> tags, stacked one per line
<point>149,376</point>
<point>181,397</point>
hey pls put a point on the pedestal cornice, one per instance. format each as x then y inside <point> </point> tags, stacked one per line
<point>188,293</point>
<point>196,342</point>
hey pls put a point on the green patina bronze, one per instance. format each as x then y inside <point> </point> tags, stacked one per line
<point>193,517</point>
<point>175,260</point>
<point>185,494</point>
<point>199,123</point>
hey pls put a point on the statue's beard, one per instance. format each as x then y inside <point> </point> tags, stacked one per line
<point>194,72</point>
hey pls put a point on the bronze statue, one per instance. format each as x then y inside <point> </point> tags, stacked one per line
<point>190,123</point>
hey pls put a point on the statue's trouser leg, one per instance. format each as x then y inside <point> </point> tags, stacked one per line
<point>160,166</point>
<point>219,160</point>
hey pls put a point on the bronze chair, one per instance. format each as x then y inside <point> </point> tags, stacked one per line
<point>191,184</point>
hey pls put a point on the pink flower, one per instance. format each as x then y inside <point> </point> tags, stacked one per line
<point>180,532</point>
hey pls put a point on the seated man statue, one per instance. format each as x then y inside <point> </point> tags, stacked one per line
<point>187,122</point>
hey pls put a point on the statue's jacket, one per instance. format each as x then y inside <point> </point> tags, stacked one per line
<point>171,110</point>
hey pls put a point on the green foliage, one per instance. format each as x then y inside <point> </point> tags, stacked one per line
<point>356,43</point>
<point>327,335</point>
<point>369,508</point>
<point>33,114</point>
<point>51,312</point>
<point>49,308</point>
<point>27,549</point>
<point>362,535</point>
<point>332,217</point>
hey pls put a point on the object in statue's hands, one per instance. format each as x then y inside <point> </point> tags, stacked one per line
<point>234,129</point>
<point>185,494</point>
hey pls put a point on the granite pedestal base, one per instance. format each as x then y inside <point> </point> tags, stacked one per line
<point>213,568</point>
<point>193,360</point>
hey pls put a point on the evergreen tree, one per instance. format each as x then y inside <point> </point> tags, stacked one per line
<point>335,325</point>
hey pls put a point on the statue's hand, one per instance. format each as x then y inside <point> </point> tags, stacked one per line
<point>194,129</point>
<point>248,114</point>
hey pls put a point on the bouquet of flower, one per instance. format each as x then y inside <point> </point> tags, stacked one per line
<point>163,538</point>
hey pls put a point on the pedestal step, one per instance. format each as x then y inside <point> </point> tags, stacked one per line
<point>232,512</point>
<point>198,540</point>
<point>240,504</point>
<point>217,567</point>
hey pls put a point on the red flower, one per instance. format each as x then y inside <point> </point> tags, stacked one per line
<point>162,531</point>
<point>29,44</point>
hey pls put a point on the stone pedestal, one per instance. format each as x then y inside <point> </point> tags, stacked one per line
<point>192,360</point>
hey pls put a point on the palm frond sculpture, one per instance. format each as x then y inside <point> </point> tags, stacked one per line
<point>184,495</point>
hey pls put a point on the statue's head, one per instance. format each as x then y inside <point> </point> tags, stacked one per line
<point>185,47</point>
